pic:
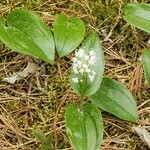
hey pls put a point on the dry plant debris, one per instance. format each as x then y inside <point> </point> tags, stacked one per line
<point>39,100</point>
<point>144,134</point>
<point>16,76</point>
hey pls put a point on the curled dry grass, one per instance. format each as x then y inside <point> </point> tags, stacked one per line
<point>39,100</point>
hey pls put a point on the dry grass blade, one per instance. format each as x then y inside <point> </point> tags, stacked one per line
<point>39,99</point>
<point>144,134</point>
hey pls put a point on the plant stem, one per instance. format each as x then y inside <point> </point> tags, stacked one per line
<point>81,102</point>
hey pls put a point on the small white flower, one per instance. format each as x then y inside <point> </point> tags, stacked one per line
<point>84,66</point>
<point>92,59</point>
<point>83,63</point>
<point>87,70</point>
<point>86,57</point>
<point>79,63</point>
<point>80,53</point>
<point>75,69</point>
<point>75,65</point>
<point>92,53</point>
<point>81,71</point>
<point>92,75</point>
<point>75,80</point>
<point>93,72</point>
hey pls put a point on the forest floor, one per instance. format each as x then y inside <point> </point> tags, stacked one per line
<point>39,100</point>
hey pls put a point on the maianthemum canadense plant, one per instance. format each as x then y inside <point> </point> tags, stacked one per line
<point>138,15</point>
<point>25,33</point>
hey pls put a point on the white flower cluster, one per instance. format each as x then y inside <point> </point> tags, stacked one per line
<point>83,63</point>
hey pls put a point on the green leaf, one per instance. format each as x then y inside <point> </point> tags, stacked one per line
<point>114,98</point>
<point>39,135</point>
<point>68,34</point>
<point>27,34</point>
<point>47,144</point>
<point>84,126</point>
<point>138,15</point>
<point>88,87</point>
<point>21,43</point>
<point>45,141</point>
<point>146,64</point>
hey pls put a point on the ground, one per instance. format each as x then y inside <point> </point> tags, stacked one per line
<point>39,100</point>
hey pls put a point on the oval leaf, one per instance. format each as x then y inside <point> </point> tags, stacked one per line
<point>115,99</point>
<point>19,42</point>
<point>68,34</point>
<point>138,15</point>
<point>35,37</point>
<point>146,64</point>
<point>85,127</point>
<point>87,86</point>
